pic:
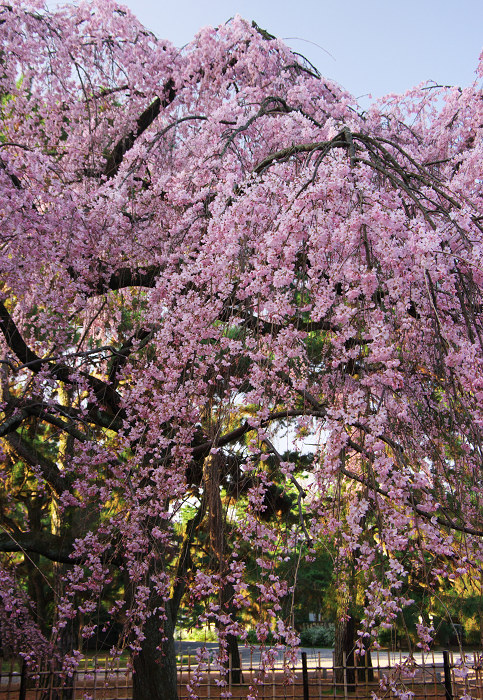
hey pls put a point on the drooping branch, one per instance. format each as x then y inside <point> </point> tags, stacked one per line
<point>444,522</point>
<point>272,105</point>
<point>415,180</point>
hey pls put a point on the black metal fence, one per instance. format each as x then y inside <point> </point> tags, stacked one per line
<point>430,677</point>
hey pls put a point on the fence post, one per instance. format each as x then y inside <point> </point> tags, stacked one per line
<point>344,662</point>
<point>208,692</point>
<point>448,686</point>
<point>230,669</point>
<point>305,675</point>
<point>334,676</point>
<point>22,694</point>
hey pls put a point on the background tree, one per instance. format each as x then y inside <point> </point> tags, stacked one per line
<point>200,247</point>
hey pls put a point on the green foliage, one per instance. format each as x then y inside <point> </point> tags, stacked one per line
<point>322,635</point>
<point>197,634</point>
<point>313,586</point>
<point>253,639</point>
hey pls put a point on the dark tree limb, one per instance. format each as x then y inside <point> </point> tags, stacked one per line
<point>58,548</point>
<point>116,156</point>
<point>185,562</point>
<point>53,547</point>
<point>126,277</point>
<point>142,337</point>
<point>17,344</point>
<point>65,426</point>
<point>13,178</point>
<point>203,449</point>
<point>105,394</point>
<point>49,470</point>
<point>55,415</point>
<point>13,422</point>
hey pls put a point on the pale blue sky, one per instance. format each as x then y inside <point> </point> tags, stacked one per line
<point>375,46</point>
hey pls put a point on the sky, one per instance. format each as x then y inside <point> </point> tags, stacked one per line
<point>368,46</point>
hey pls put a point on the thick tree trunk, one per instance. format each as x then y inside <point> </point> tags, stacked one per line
<point>234,652</point>
<point>345,627</point>
<point>61,522</point>
<point>155,668</point>
<point>365,672</point>
<point>345,643</point>
<point>481,610</point>
<point>236,675</point>
<point>220,550</point>
<point>344,651</point>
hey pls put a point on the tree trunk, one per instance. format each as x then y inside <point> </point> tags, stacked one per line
<point>61,522</point>
<point>155,668</point>
<point>220,550</point>
<point>234,652</point>
<point>365,671</point>
<point>344,651</point>
<point>155,674</point>
<point>345,643</point>
<point>480,611</point>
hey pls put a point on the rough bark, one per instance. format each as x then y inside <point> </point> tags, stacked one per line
<point>155,670</point>
<point>344,651</point>
<point>231,640</point>
<point>356,669</point>
<point>211,478</point>
<point>345,627</point>
<point>349,667</point>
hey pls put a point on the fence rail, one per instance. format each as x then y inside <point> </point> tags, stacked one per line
<point>383,675</point>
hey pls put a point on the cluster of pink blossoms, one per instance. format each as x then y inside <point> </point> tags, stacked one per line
<point>206,254</point>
